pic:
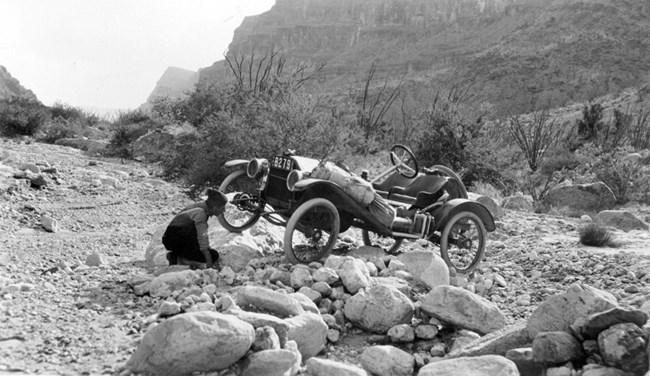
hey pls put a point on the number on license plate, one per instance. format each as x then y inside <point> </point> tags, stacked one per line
<point>283,163</point>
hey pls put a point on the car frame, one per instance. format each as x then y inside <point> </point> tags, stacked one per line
<point>315,211</point>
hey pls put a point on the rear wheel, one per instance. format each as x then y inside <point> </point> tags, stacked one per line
<point>390,245</point>
<point>244,207</point>
<point>462,242</point>
<point>311,231</point>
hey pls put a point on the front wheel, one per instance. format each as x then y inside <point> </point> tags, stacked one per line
<point>311,231</point>
<point>462,242</point>
<point>244,207</point>
<point>390,245</point>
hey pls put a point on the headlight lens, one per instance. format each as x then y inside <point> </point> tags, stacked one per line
<point>293,177</point>
<point>256,167</point>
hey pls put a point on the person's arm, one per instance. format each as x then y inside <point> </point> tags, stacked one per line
<point>200,219</point>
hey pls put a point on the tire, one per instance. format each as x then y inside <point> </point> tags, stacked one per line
<point>372,239</point>
<point>311,231</point>
<point>466,257</point>
<point>244,208</point>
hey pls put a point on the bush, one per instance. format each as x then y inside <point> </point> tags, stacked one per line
<point>123,136</point>
<point>595,235</point>
<point>534,135</point>
<point>591,121</point>
<point>617,174</point>
<point>21,116</point>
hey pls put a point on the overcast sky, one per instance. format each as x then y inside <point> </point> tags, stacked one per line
<point>110,53</point>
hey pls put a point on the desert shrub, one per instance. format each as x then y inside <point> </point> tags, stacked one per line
<point>59,128</point>
<point>124,135</point>
<point>612,134</point>
<point>640,129</point>
<point>21,116</point>
<point>595,235</point>
<point>488,190</point>
<point>131,117</point>
<point>72,114</point>
<point>617,174</point>
<point>591,121</point>
<point>534,134</point>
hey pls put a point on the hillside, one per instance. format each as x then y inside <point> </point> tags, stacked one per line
<point>11,87</point>
<point>510,52</point>
<point>173,84</point>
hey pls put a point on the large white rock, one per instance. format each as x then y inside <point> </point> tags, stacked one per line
<point>355,275</point>
<point>560,311</point>
<point>463,309</point>
<point>582,197</point>
<point>165,284</point>
<point>326,367</point>
<point>620,219</point>
<point>486,365</point>
<point>267,300</point>
<point>426,267</point>
<point>260,320</point>
<point>309,330</point>
<point>379,308</point>
<point>192,342</point>
<point>387,361</point>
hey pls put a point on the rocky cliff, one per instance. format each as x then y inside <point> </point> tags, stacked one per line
<point>10,87</point>
<point>173,84</point>
<point>511,52</point>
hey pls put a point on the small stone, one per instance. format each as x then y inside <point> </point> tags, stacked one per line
<point>169,308</point>
<point>49,224</point>
<point>94,259</point>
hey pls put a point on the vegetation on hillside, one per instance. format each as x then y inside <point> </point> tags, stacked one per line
<point>265,109</point>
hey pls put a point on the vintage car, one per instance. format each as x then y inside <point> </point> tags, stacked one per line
<point>316,200</point>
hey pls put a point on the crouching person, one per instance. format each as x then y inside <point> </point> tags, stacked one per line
<point>186,237</point>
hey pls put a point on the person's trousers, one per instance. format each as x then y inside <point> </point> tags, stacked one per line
<point>183,242</point>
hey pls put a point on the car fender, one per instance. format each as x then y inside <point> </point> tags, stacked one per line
<point>457,205</point>
<point>239,163</point>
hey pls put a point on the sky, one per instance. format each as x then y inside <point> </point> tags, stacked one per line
<point>109,54</point>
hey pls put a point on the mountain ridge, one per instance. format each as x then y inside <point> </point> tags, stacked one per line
<point>11,87</point>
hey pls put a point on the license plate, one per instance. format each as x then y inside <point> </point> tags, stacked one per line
<point>282,163</point>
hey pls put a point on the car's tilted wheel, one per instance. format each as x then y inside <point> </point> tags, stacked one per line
<point>462,242</point>
<point>390,245</point>
<point>244,207</point>
<point>311,231</point>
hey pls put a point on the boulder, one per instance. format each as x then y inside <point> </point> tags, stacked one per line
<point>583,197</point>
<point>486,365</point>
<point>325,367</point>
<point>163,285</point>
<point>379,308</point>
<point>623,346</point>
<point>304,298</point>
<point>591,326</point>
<point>192,342</point>
<point>426,267</point>
<point>560,311</point>
<point>327,275</point>
<point>354,275</point>
<point>263,299</point>
<point>261,320</point>
<point>463,309</point>
<point>300,277</point>
<point>518,202</point>
<point>523,358</point>
<point>276,362</point>
<point>309,330</point>
<point>620,219</point>
<point>496,343</point>
<point>492,206</point>
<point>387,361</point>
<point>402,333</point>
<point>554,348</point>
<point>398,283</point>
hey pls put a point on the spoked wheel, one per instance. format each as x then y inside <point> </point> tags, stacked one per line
<point>244,207</point>
<point>462,242</point>
<point>390,245</point>
<point>403,159</point>
<point>311,231</point>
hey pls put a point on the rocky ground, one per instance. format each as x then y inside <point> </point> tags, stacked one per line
<point>66,306</point>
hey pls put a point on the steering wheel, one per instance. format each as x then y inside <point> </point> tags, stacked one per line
<point>404,161</point>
